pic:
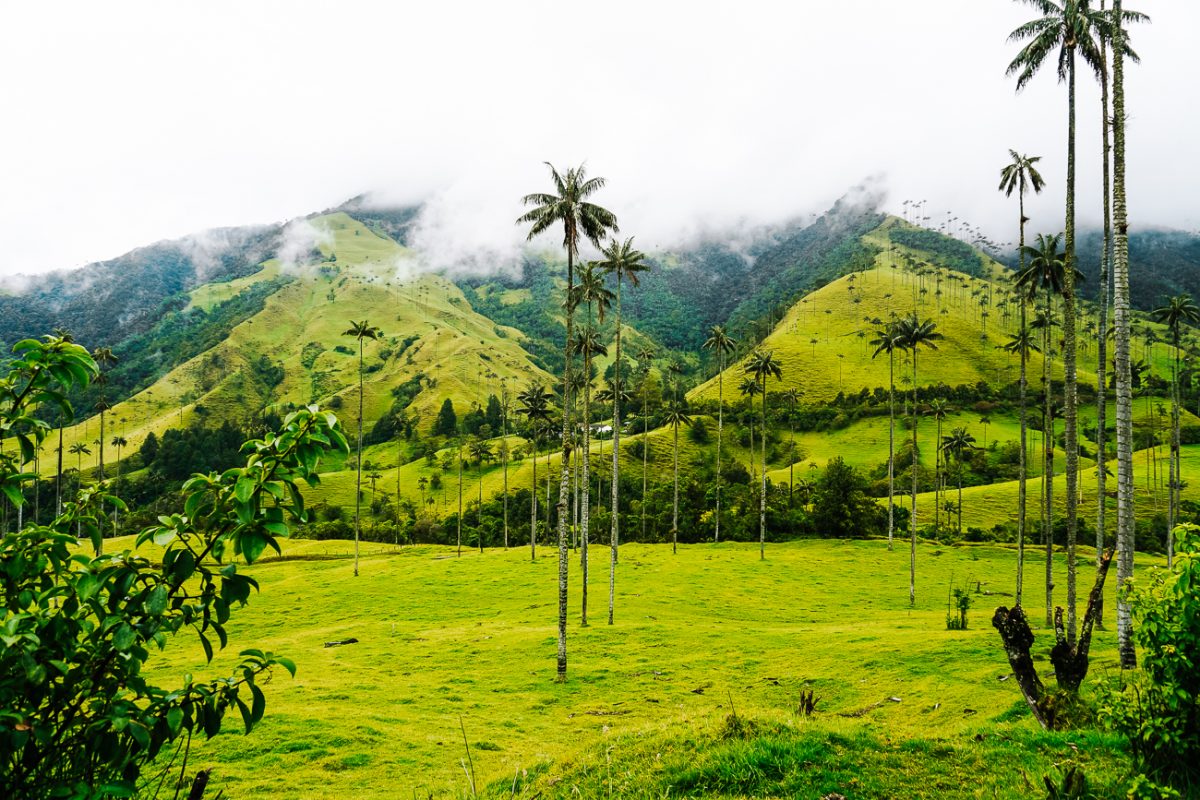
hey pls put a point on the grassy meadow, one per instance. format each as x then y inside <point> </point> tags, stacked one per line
<point>446,644</point>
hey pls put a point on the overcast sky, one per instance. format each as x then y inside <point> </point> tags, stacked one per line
<point>127,123</point>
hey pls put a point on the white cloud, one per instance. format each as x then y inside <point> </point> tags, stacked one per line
<point>158,120</point>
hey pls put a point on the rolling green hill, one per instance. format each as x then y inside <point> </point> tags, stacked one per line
<point>293,350</point>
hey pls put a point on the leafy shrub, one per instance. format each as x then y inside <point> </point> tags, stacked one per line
<point>1157,707</point>
<point>78,716</point>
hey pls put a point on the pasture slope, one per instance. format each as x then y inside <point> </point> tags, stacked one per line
<point>906,708</point>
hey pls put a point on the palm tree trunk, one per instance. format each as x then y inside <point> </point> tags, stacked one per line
<point>616,465</point>
<point>533,495</point>
<point>585,480</point>
<point>564,485</point>
<point>675,502</point>
<point>58,478</point>
<point>1172,489</point>
<point>1071,387</point>
<point>504,456</point>
<point>912,519</point>
<point>645,448</point>
<point>1125,522</point>
<point>358,465</point>
<point>960,466</point>
<point>762,495</point>
<point>1102,345</point>
<point>1048,463</point>
<point>458,454</point>
<point>720,430</point>
<point>891,443</point>
<point>1022,467</point>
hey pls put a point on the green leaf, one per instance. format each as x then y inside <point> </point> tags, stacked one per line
<point>174,720</point>
<point>287,664</point>
<point>247,716</point>
<point>260,703</point>
<point>157,603</point>
<point>243,490</point>
<point>252,545</point>
<point>208,651</point>
<point>124,637</point>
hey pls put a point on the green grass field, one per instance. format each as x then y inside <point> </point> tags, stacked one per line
<point>470,641</point>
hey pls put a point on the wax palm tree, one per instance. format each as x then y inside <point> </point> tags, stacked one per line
<point>1063,32</point>
<point>588,345</point>
<point>645,359</point>
<point>79,450</point>
<point>535,407</point>
<point>791,397</point>
<point>103,357</point>
<point>722,344</point>
<point>762,364</point>
<point>625,263</point>
<point>1178,311</point>
<point>958,445</point>
<point>912,335</point>
<point>1105,37</point>
<point>886,341</point>
<point>1023,343</point>
<point>568,206</point>
<point>1046,272</point>
<point>749,389</point>
<point>480,451</point>
<point>360,331</point>
<point>676,415</point>
<point>939,409</point>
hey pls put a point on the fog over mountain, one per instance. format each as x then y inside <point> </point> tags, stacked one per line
<point>701,116</point>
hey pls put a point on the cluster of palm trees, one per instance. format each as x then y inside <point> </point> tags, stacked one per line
<point>1064,33</point>
<point>907,334</point>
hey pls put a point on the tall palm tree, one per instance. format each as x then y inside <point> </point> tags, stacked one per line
<point>598,298</point>
<point>1125,522</point>
<point>791,397</point>
<point>568,206</point>
<point>748,389</point>
<point>625,263</point>
<point>1023,343</point>
<point>1178,311</point>
<point>1046,270</point>
<point>103,357</point>
<point>939,409</point>
<point>588,345</point>
<point>645,359</point>
<point>535,407</point>
<point>722,344</point>
<point>762,364</point>
<point>1063,32</point>
<point>957,445</point>
<point>360,331</point>
<point>676,415</point>
<point>504,407</point>
<point>912,335</point>
<point>886,341</point>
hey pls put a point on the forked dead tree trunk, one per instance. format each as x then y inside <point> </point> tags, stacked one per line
<point>1070,661</point>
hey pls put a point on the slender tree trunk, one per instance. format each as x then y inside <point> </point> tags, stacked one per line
<point>720,430</point>
<point>564,485</point>
<point>504,456</point>
<point>585,479</point>
<point>59,477</point>
<point>1125,521</point>
<point>891,443</point>
<point>1102,345</point>
<point>1022,467</point>
<point>616,464</point>
<point>937,477</point>
<point>1071,387</point>
<point>762,496</point>
<point>645,447</point>
<point>675,502</point>
<point>358,465</point>
<point>458,455</point>
<point>912,524</point>
<point>1172,489</point>
<point>1048,461</point>
<point>533,495</point>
